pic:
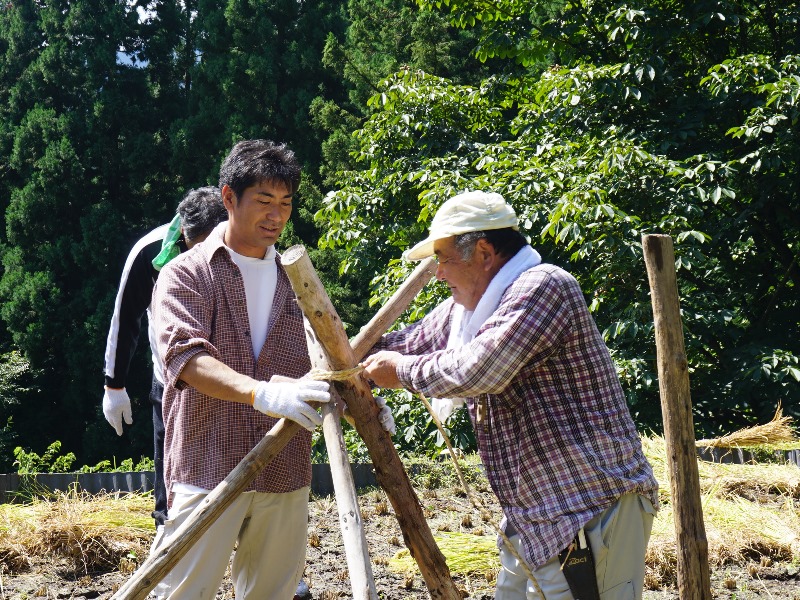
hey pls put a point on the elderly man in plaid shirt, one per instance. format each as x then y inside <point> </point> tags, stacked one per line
<point>518,344</point>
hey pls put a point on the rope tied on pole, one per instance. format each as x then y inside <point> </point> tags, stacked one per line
<point>342,375</point>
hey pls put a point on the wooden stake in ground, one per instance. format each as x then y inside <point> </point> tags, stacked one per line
<point>359,567</point>
<point>389,470</point>
<point>676,406</point>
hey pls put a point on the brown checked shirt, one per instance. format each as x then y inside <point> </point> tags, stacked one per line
<point>200,306</point>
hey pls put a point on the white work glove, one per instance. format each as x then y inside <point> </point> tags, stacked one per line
<point>444,407</point>
<point>384,416</point>
<point>116,406</point>
<point>290,400</point>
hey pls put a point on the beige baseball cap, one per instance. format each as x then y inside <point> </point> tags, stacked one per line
<point>466,212</point>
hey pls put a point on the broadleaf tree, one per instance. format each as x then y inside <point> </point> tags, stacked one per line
<point>615,120</point>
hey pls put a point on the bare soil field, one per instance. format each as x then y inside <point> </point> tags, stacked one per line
<point>87,547</point>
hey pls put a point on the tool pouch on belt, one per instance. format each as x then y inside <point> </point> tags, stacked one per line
<point>577,564</point>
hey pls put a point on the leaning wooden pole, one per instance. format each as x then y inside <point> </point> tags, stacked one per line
<point>391,311</point>
<point>389,470</point>
<point>676,406</point>
<point>359,566</point>
<point>159,564</point>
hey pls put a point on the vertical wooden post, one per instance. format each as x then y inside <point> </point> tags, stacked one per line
<point>356,551</point>
<point>355,542</point>
<point>676,406</point>
<point>389,470</point>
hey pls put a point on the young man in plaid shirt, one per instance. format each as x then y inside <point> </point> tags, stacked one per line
<point>227,321</point>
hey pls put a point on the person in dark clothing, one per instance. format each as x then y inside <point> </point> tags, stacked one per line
<point>199,211</point>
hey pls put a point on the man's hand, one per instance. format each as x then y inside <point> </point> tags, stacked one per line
<point>290,399</point>
<point>381,369</point>
<point>116,406</point>
<point>384,415</point>
<point>444,407</point>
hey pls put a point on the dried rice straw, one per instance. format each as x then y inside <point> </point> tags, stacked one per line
<point>777,433</point>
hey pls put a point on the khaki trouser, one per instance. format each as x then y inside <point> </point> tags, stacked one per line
<point>271,531</point>
<point>618,537</point>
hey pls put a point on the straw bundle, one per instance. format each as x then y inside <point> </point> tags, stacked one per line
<point>87,533</point>
<point>777,434</point>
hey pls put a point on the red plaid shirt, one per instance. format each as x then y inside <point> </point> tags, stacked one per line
<point>200,306</point>
<point>556,435</point>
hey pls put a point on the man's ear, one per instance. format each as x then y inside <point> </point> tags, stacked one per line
<point>486,254</point>
<point>228,197</point>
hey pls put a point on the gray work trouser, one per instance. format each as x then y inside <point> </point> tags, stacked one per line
<point>618,537</point>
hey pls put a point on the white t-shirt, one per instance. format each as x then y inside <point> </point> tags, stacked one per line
<point>260,276</point>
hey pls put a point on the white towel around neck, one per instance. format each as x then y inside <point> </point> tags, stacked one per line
<point>465,324</point>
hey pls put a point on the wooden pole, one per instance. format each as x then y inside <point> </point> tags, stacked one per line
<point>389,470</point>
<point>359,568</point>
<point>676,406</point>
<point>158,564</point>
<point>391,311</point>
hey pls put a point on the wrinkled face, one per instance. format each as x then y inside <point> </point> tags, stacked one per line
<point>257,218</point>
<point>468,279</point>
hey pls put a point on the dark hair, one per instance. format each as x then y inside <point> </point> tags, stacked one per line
<point>255,161</point>
<point>506,241</point>
<point>201,209</point>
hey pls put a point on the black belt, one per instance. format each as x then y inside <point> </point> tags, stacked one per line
<point>577,564</point>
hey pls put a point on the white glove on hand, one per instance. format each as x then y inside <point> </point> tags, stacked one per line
<point>384,416</point>
<point>289,399</point>
<point>444,407</point>
<point>116,406</point>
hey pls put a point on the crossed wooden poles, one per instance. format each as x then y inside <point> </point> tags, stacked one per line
<point>329,349</point>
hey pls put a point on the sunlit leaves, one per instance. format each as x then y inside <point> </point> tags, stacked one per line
<point>644,121</point>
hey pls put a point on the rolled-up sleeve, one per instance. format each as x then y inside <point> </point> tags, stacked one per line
<point>183,320</point>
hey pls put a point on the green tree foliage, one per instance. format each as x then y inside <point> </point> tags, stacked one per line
<point>252,68</point>
<point>599,121</point>
<point>383,37</point>
<point>659,117</point>
<point>108,114</point>
<point>73,169</point>
<point>18,386</point>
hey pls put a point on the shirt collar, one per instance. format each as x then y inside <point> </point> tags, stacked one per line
<point>215,242</point>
